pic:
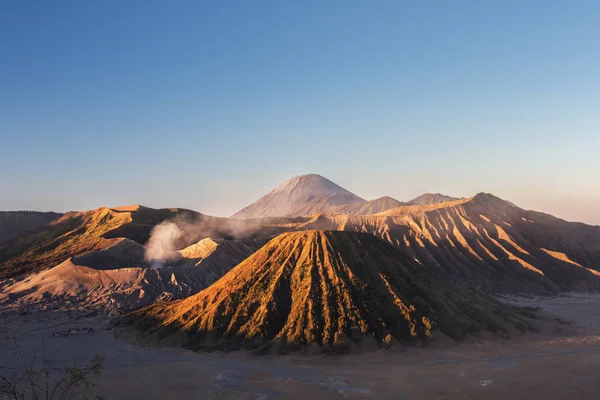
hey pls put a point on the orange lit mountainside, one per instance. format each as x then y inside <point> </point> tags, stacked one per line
<point>321,269</point>
<point>77,233</point>
<point>483,241</point>
<point>487,241</point>
<point>330,290</point>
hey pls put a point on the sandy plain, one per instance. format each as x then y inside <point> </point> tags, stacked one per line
<point>560,363</point>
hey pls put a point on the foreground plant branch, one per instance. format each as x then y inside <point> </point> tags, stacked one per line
<point>37,381</point>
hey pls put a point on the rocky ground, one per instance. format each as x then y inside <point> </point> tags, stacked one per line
<point>560,363</point>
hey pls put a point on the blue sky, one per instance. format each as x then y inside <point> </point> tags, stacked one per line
<point>208,105</point>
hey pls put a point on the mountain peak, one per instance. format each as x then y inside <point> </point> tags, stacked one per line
<point>310,184</point>
<point>490,199</point>
<point>431,198</point>
<point>300,195</point>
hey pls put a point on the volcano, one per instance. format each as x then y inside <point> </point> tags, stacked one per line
<point>325,289</point>
<point>300,195</point>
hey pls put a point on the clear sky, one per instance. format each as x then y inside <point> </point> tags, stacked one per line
<point>209,104</point>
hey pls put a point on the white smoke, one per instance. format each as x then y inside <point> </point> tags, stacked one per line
<point>185,229</point>
<point>161,246</point>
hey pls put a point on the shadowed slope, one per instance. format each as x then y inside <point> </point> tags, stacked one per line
<point>122,253</point>
<point>327,288</point>
<point>71,285</point>
<point>16,223</point>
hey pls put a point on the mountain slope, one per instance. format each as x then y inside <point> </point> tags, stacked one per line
<point>118,279</point>
<point>300,195</point>
<point>77,233</point>
<point>16,223</point>
<point>430,198</point>
<point>218,252</point>
<point>325,288</point>
<point>121,253</point>
<point>369,207</point>
<point>487,241</point>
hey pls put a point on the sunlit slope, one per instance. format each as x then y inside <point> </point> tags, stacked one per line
<point>487,241</point>
<point>77,233</point>
<point>332,289</point>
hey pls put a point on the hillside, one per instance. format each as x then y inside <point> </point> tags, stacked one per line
<point>369,207</point>
<point>430,198</point>
<point>218,252</point>
<point>488,242</point>
<point>118,279</point>
<point>77,233</point>
<point>17,223</point>
<point>300,195</point>
<point>332,290</point>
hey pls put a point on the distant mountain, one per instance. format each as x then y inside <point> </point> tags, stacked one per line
<point>369,207</point>
<point>386,203</point>
<point>330,291</point>
<point>300,195</point>
<point>430,198</point>
<point>17,223</point>
<point>313,194</point>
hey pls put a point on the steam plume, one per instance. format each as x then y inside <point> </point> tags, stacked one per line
<point>161,246</point>
<point>185,229</point>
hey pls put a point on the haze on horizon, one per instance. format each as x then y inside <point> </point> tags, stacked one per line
<point>210,106</point>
